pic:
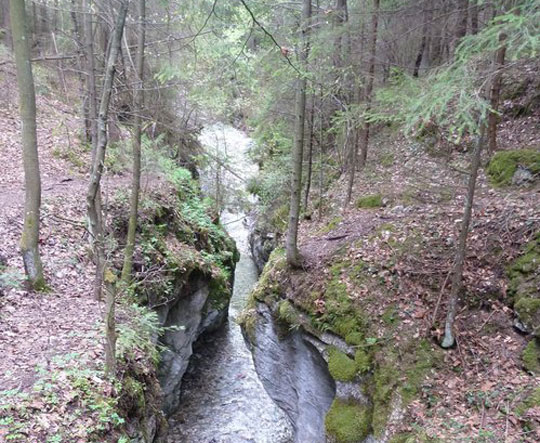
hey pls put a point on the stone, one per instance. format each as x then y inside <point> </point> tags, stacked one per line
<point>522,176</point>
<point>187,317</point>
<point>295,375</point>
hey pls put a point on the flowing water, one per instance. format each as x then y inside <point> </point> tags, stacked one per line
<point>223,400</point>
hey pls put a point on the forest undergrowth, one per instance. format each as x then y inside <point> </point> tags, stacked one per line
<point>391,251</point>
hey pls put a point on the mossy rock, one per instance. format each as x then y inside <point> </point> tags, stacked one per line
<point>504,164</point>
<point>528,311</point>
<point>386,381</point>
<point>133,395</point>
<point>524,272</point>
<point>348,422</point>
<point>341,367</point>
<point>370,201</point>
<point>362,360</point>
<point>531,401</point>
<point>531,356</point>
<point>287,313</point>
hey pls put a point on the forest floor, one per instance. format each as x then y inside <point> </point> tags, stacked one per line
<point>410,237</point>
<point>49,341</point>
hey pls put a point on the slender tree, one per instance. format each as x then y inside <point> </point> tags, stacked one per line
<point>495,94</point>
<point>32,180</point>
<point>90,71</point>
<point>364,136</point>
<point>293,255</point>
<point>103,275</point>
<point>457,272</point>
<point>136,179</point>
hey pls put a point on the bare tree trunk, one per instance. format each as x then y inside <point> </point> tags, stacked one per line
<point>293,255</point>
<point>474,17</point>
<point>139,107</point>
<point>364,137</point>
<point>321,147</point>
<point>103,275</point>
<point>310,152</point>
<point>90,72</point>
<point>32,181</point>
<point>78,37</point>
<point>494,96</point>
<point>424,42</point>
<point>463,18</point>
<point>457,276</point>
<point>6,23</point>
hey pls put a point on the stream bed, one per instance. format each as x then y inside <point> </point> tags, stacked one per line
<point>222,399</point>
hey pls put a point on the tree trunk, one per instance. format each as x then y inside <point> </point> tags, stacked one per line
<point>457,276</point>
<point>310,153</point>
<point>78,37</point>
<point>474,17</point>
<point>424,41</point>
<point>364,137</point>
<point>321,147</point>
<point>494,96</point>
<point>92,197</point>
<point>136,180</point>
<point>293,255</point>
<point>6,23</point>
<point>91,90</point>
<point>32,181</point>
<point>463,18</point>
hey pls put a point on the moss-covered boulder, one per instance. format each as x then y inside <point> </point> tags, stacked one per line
<point>531,401</point>
<point>524,286</point>
<point>370,201</point>
<point>348,421</point>
<point>504,165</point>
<point>531,356</point>
<point>528,311</point>
<point>341,367</point>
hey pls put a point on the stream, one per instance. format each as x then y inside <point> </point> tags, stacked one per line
<point>222,399</point>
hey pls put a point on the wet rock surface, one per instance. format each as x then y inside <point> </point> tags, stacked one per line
<point>295,375</point>
<point>188,318</point>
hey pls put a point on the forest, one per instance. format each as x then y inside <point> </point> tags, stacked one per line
<point>242,221</point>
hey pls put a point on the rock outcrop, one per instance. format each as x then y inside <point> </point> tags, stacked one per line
<point>294,373</point>
<point>191,312</point>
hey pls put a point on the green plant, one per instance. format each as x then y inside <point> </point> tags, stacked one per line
<point>138,334</point>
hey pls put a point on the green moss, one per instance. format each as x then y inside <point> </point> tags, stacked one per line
<point>424,359</point>
<point>528,310</point>
<point>287,313</point>
<point>404,437</point>
<point>355,338</point>
<point>341,367</point>
<point>524,272</point>
<point>387,159</point>
<point>385,377</point>
<point>362,360</point>
<point>332,224</point>
<point>531,356</point>
<point>504,164</point>
<point>348,422</point>
<point>280,218</point>
<point>268,287</point>
<point>531,401</point>
<point>133,390</point>
<point>389,316</point>
<point>370,201</point>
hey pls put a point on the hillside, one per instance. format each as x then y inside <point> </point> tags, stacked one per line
<point>374,287</point>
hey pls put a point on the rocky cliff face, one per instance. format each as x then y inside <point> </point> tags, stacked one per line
<point>325,368</point>
<point>293,372</point>
<point>185,266</point>
<point>190,313</point>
